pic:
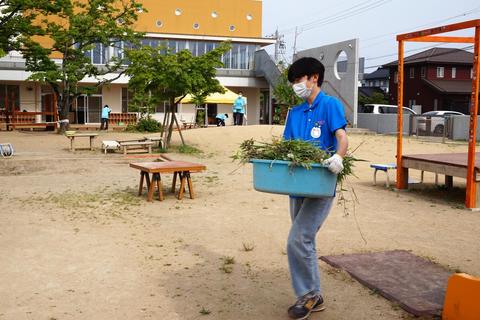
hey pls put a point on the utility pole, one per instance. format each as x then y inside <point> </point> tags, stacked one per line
<point>295,41</point>
<point>277,42</point>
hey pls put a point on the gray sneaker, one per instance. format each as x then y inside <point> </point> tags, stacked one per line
<point>303,307</point>
<point>319,306</point>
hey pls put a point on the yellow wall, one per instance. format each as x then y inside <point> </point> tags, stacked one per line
<point>230,12</point>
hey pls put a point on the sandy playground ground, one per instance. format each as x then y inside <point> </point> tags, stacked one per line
<point>77,243</point>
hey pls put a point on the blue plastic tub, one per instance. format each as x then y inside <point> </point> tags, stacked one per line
<point>275,176</point>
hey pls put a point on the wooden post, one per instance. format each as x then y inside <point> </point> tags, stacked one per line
<point>402,181</point>
<point>470,199</point>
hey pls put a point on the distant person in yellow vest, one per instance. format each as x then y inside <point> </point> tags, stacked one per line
<point>239,109</point>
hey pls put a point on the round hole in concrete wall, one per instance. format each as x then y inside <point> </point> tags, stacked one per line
<point>340,65</point>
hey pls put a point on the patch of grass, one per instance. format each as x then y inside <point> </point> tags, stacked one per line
<point>102,203</point>
<point>227,265</point>
<point>248,246</point>
<point>186,149</point>
<point>204,311</point>
<point>228,260</point>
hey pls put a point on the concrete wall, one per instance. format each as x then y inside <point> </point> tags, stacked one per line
<point>344,86</point>
<point>29,97</point>
<point>112,95</point>
<point>460,127</point>
<point>383,123</point>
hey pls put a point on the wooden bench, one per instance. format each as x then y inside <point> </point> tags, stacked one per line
<point>189,125</point>
<point>31,126</point>
<point>143,145</point>
<point>72,137</point>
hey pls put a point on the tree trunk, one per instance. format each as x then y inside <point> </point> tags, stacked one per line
<point>179,129</point>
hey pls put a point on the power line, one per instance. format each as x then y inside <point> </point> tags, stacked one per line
<point>341,15</point>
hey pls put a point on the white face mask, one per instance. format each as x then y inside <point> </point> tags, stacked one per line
<point>301,90</point>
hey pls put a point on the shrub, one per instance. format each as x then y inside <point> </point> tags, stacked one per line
<point>147,125</point>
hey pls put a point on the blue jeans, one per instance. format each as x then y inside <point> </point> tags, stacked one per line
<point>308,215</point>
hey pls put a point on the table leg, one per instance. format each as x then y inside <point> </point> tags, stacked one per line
<point>151,188</point>
<point>448,182</point>
<point>140,188</point>
<point>91,143</point>
<point>174,181</point>
<point>190,185</point>
<point>149,148</point>
<point>182,186</point>
<point>72,144</point>
<point>159,186</point>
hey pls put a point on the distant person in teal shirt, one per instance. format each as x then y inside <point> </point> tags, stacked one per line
<point>105,114</point>
<point>238,109</point>
<point>221,117</point>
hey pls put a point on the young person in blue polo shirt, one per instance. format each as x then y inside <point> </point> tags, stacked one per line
<point>238,110</point>
<point>320,120</point>
<point>105,114</point>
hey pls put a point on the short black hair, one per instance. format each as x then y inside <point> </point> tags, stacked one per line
<point>306,67</point>
<point>226,115</point>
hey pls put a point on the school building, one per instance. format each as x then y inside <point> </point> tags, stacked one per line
<point>198,26</point>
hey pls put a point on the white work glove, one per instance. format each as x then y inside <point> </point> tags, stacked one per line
<point>334,163</point>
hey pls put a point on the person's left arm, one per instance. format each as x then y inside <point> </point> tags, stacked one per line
<point>342,142</point>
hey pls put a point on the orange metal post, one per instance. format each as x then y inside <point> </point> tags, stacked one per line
<point>437,30</point>
<point>470,200</point>
<point>444,39</point>
<point>400,173</point>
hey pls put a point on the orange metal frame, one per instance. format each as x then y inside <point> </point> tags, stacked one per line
<point>428,35</point>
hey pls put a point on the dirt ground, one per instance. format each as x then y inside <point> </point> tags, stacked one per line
<point>77,243</point>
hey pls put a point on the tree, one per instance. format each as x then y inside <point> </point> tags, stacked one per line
<point>16,18</point>
<point>165,76</point>
<point>376,98</point>
<point>284,96</point>
<point>70,29</point>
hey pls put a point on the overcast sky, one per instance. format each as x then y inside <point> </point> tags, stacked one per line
<point>374,22</point>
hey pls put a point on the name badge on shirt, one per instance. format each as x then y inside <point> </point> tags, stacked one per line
<point>316,132</point>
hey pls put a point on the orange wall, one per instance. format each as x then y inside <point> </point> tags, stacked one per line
<point>230,12</point>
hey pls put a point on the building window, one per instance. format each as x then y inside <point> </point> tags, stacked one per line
<point>412,73</point>
<point>249,17</point>
<point>9,96</point>
<point>454,73</point>
<point>214,14</point>
<point>178,12</point>
<point>232,28</point>
<point>196,26</point>
<point>127,96</point>
<point>423,71</point>
<point>163,106</point>
<point>395,77</point>
<point>471,73</point>
<point>440,72</point>
<point>159,23</point>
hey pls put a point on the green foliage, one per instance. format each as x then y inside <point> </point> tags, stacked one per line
<point>148,124</point>
<point>376,98</point>
<point>283,92</point>
<point>189,149</point>
<point>16,18</point>
<point>200,118</point>
<point>74,27</point>
<point>298,152</point>
<point>156,74</point>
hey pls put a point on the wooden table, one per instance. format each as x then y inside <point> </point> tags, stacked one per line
<point>79,135</point>
<point>181,169</point>
<point>449,164</point>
